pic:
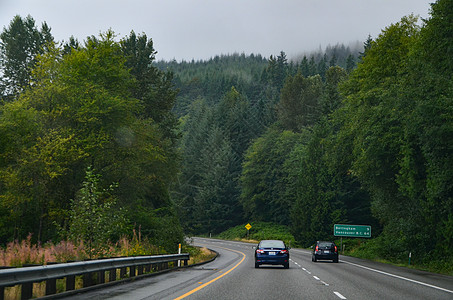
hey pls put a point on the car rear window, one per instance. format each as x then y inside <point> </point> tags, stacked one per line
<point>325,244</point>
<point>272,244</point>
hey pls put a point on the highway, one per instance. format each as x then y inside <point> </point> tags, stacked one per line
<point>233,276</point>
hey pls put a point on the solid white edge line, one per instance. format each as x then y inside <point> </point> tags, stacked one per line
<point>339,295</point>
<point>317,278</point>
<point>400,277</point>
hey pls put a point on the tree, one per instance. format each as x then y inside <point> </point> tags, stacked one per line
<point>94,217</point>
<point>314,210</point>
<point>263,180</point>
<point>79,111</point>
<point>350,63</point>
<point>331,98</point>
<point>21,43</point>
<point>374,118</point>
<point>426,173</point>
<point>299,103</point>
<point>366,46</point>
<point>304,67</point>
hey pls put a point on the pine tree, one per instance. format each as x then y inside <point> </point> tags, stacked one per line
<point>20,44</point>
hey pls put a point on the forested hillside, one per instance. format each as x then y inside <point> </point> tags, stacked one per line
<point>311,143</point>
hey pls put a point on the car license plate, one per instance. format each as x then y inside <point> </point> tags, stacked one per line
<point>326,251</point>
<point>272,253</point>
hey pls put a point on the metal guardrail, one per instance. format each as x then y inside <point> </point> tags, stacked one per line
<point>26,276</point>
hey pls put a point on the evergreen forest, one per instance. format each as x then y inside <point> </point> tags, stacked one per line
<point>337,136</point>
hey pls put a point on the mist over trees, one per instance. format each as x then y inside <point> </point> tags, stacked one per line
<point>342,135</point>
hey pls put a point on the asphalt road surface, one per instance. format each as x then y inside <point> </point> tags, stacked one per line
<point>233,276</point>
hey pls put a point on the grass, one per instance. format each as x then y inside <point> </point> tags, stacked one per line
<point>370,249</point>
<point>259,231</point>
<point>198,255</point>
<point>21,253</point>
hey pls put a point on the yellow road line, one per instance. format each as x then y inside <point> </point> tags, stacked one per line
<point>215,279</point>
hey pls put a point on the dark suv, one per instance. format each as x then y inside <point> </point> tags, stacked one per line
<point>324,250</point>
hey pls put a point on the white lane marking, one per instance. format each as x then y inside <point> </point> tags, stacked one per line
<point>325,283</point>
<point>294,262</point>
<point>317,278</point>
<point>400,277</point>
<point>339,295</point>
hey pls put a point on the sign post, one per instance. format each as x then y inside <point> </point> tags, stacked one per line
<point>179,252</point>
<point>248,226</point>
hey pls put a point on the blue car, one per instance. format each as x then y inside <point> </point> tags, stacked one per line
<point>272,252</point>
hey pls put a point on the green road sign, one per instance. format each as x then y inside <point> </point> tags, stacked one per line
<point>347,230</point>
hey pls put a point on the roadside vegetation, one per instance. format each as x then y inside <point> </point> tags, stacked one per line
<point>20,253</point>
<point>259,231</point>
<point>372,249</point>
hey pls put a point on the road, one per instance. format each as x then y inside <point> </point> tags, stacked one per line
<point>233,276</point>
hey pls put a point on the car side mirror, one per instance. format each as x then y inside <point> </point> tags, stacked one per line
<point>311,247</point>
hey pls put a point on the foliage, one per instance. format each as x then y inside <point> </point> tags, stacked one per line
<point>19,253</point>
<point>299,104</point>
<point>259,231</point>
<point>21,43</point>
<point>263,177</point>
<point>95,105</point>
<point>94,218</point>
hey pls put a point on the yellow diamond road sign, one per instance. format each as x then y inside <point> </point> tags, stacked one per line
<point>248,226</point>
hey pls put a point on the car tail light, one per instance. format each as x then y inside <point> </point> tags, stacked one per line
<point>260,251</point>
<point>284,251</point>
<point>336,249</point>
<point>316,248</point>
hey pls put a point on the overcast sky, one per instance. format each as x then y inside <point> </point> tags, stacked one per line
<point>201,29</point>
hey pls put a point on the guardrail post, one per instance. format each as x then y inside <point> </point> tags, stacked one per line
<point>101,276</point>
<point>112,275</point>
<point>70,283</point>
<point>87,280</point>
<point>2,293</point>
<point>122,273</point>
<point>186,262</point>
<point>26,291</point>
<point>140,270</point>
<point>132,271</point>
<point>51,286</point>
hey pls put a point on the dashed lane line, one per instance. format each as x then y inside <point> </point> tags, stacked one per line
<point>339,295</point>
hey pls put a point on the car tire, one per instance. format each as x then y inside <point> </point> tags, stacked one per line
<point>313,258</point>
<point>335,260</point>
<point>257,265</point>
<point>286,266</point>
